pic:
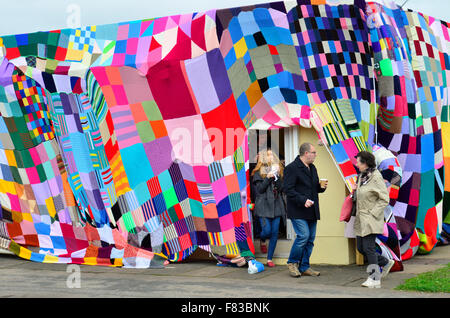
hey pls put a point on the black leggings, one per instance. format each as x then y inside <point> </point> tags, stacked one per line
<point>366,246</point>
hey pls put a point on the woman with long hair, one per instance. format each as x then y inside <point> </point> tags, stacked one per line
<point>269,203</point>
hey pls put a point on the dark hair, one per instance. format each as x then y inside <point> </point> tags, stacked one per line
<point>367,158</point>
<point>304,148</point>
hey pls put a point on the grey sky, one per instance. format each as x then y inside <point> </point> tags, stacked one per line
<point>28,16</point>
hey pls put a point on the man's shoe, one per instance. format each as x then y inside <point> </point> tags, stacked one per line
<point>387,268</point>
<point>270,264</point>
<point>293,270</point>
<point>310,272</point>
<point>371,283</point>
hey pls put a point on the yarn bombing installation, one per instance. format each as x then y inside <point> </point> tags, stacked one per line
<point>126,144</point>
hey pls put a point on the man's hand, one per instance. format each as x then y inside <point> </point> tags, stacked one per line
<point>309,203</point>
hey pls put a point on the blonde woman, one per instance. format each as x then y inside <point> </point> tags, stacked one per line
<point>269,204</point>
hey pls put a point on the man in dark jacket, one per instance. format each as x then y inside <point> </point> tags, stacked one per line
<point>302,188</point>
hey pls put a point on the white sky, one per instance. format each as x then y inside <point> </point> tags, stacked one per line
<point>26,16</point>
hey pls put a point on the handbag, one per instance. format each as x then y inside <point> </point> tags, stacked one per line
<point>346,210</point>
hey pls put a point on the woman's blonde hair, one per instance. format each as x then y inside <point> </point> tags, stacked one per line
<point>264,166</point>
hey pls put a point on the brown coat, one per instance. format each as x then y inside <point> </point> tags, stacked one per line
<point>371,200</point>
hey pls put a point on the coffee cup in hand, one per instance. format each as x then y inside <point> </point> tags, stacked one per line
<point>323,183</point>
<point>275,169</point>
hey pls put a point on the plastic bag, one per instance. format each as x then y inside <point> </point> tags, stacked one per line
<point>255,267</point>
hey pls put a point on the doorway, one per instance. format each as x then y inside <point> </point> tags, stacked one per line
<point>331,246</point>
<point>259,140</point>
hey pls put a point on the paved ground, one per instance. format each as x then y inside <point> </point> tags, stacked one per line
<point>24,279</point>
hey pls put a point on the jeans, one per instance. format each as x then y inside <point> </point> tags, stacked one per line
<point>269,230</point>
<point>304,242</point>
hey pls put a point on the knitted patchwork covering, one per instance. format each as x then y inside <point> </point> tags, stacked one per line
<point>126,144</point>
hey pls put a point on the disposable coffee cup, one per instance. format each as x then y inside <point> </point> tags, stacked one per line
<point>323,182</point>
<point>275,169</point>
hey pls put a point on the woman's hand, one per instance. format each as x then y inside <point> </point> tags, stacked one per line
<point>270,175</point>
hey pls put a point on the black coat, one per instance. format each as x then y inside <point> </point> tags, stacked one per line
<point>302,183</point>
<point>267,203</point>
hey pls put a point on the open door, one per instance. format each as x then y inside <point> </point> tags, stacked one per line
<point>331,246</point>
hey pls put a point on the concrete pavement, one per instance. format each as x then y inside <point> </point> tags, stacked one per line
<point>204,279</point>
